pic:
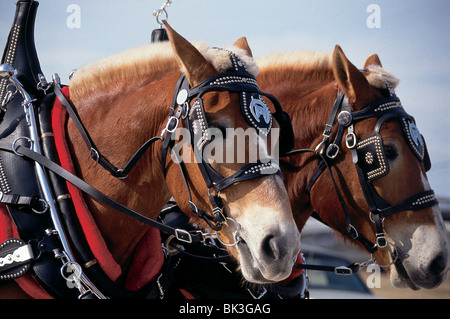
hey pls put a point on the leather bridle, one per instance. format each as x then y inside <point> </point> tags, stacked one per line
<point>188,105</point>
<point>370,160</point>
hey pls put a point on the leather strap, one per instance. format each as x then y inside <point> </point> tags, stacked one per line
<point>338,270</point>
<point>94,152</point>
<point>180,234</point>
<point>15,199</point>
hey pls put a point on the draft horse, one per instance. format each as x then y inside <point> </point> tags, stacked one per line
<point>133,100</point>
<point>115,105</point>
<point>370,181</point>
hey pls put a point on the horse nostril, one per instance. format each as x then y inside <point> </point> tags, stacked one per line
<point>269,247</point>
<point>438,265</point>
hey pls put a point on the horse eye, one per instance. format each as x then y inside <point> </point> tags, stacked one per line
<point>390,151</point>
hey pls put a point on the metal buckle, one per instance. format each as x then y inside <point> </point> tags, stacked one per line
<point>328,130</point>
<point>372,219</point>
<point>183,235</point>
<point>350,140</point>
<point>381,240</point>
<point>326,135</point>
<point>352,231</point>
<point>169,128</point>
<point>332,151</point>
<point>343,271</point>
<point>121,175</point>
<point>319,147</point>
<point>209,235</point>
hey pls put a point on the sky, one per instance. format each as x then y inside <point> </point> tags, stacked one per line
<point>410,36</point>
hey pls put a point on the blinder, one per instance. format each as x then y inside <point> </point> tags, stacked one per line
<point>256,112</point>
<point>372,158</point>
<point>416,141</point>
<point>370,151</point>
<point>371,154</point>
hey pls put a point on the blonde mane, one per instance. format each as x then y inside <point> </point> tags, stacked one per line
<point>317,65</point>
<point>150,61</point>
<point>304,60</point>
<point>296,66</point>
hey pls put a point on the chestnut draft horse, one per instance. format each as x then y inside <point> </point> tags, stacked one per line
<point>124,100</point>
<point>387,199</point>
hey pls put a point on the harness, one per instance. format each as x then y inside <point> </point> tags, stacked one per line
<point>371,162</point>
<point>49,243</point>
<point>188,105</point>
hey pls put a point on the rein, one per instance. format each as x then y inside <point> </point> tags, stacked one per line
<point>93,150</point>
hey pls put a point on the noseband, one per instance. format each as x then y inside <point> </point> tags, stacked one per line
<point>369,157</point>
<point>188,105</point>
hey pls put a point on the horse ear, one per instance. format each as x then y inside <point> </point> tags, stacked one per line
<point>243,44</point>
<point>351,81</point>
<point>193,63</point>
<point>372,60</point>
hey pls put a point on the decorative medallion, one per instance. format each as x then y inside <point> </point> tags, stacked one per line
<point>415,134</point>
<point>256,112</point>
<point>369,158</point>
<point>15,258</point>
<point>258,108</point>
<point>413,137</point>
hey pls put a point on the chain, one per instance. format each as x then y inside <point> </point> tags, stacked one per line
<point>159,12</point>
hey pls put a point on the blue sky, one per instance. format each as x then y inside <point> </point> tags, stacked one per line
<point>412,42</point>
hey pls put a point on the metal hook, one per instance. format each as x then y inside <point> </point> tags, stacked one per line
<point>372,218</point>
<point>158,13</point>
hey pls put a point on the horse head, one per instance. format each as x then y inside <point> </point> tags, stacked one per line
<point>370,184</point>
<point>389,182</point>
<point>253,213</point>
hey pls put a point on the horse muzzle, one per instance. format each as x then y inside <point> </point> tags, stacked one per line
<point>269,257</point>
